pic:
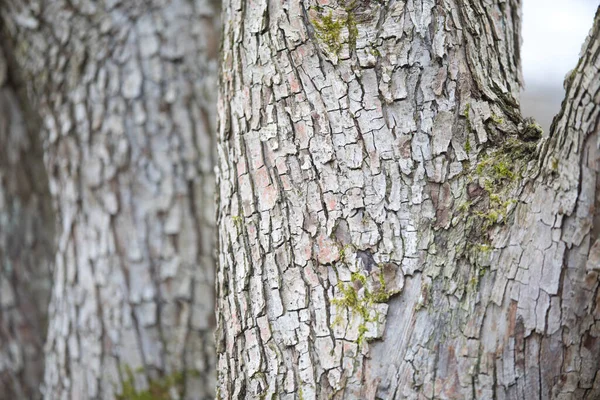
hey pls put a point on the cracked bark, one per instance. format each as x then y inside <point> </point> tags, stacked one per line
<point>26,242</point>
<point>126,91</point>
<point>390,226</point>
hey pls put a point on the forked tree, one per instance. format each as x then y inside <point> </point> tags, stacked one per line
<point>390,225</point>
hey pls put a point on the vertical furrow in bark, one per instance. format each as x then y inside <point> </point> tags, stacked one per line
<point>26,242</point>
<point>126,91</point>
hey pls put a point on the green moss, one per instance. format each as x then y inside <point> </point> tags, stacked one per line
<point>503,166</point>
<point>485,248</point>
<point>360,304</point>
<point>464,207</point>
<point>496,168</point>
<point>490,218</point>
<point>498,173</point>
<point>530,131</point>
<point>497,120</point>
<point>358,277</point>
<point>518,149</point>
<point>381,295</point>
<point>473,282</point>
<point>329,32</point>
<point>503,170</point>
<point>535,127</point>
<point>494,184</point>
<point>343,250</point>
<point>494,198</point>
<point>362,329</point>
<point>350,300</point>
<point>237,220</point>
<point>158,389</point>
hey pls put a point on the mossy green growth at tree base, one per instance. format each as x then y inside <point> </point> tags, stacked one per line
<point>158,389</point>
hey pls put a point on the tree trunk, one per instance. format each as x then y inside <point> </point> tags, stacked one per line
<point>26,242</point>
<point>127,93</point>
<point>389,225</point>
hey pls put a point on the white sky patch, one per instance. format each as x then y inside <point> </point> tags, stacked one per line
<point>553,33</point>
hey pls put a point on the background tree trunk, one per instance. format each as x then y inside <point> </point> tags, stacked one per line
<point>26,242</point>
<point>126,91</point>
<point>389,225</point>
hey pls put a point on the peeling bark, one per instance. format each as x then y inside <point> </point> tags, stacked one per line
<point>127,92</point>
<point>390,226</point>
<point>26,243</point>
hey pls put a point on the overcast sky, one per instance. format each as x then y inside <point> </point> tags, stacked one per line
<point>553,32</point>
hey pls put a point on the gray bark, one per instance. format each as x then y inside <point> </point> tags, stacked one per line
<point>126,91</point>
<point>26,242</point>
<point>390,226</point>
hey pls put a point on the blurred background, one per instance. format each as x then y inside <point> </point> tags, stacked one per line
<point>553,33</point>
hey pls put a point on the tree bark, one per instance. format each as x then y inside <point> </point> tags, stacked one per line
<point>26,242</point>
<point>126,91</point>
<point>390,226</point>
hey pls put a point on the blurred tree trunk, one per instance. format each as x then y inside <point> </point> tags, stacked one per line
<point>389,225</point>
<point>26,239</point>
<point>127,94</point>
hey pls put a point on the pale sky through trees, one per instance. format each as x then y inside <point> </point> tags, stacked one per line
<point>553,33</point>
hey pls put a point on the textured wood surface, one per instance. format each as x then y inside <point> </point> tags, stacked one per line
<point>127,93</point>
<point>389,225</point>
<point>26,241</point>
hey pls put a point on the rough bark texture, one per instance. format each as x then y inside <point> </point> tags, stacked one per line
<point>389,225</point>
<point>127,92</point>
<point>26,242</point>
